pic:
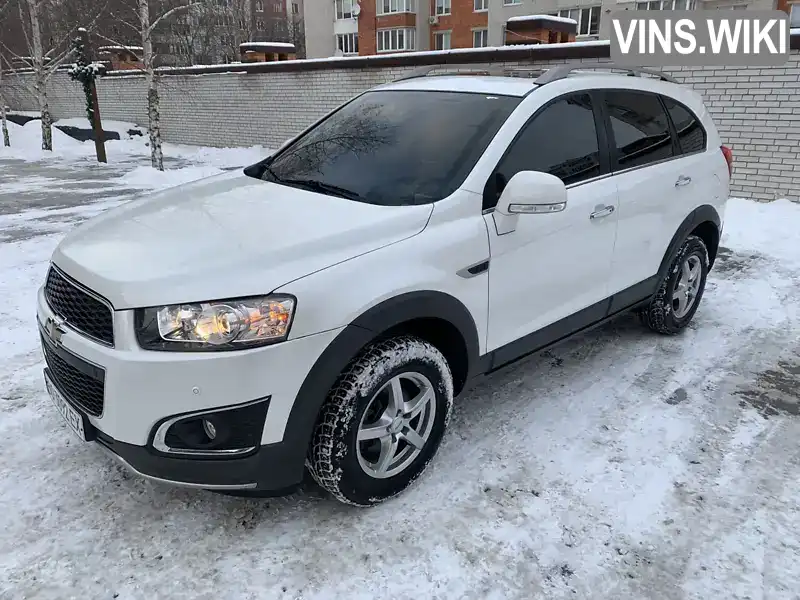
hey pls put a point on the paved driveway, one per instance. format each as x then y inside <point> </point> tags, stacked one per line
<point>622,465</point>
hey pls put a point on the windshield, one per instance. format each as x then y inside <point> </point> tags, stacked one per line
<point>394,147</point>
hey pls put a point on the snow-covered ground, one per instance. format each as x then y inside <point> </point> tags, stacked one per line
<point>623,465</point>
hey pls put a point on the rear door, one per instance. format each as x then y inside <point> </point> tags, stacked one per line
<point>650,179</point>
<point>698,175</point>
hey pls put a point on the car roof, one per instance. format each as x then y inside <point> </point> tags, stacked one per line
<point>476,84</point>
<point>522,86</point>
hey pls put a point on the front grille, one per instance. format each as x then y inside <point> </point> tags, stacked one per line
<point>82,311</point>
<point>82,383</point>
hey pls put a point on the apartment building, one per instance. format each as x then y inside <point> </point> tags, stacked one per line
<point>353,27</point>
<point>349,27</point>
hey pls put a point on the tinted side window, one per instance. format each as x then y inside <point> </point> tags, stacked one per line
<point>560,140</point>
<point>640,128</point>
<point>691,135</point>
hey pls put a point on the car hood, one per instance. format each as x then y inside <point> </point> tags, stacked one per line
<point>222,237</point>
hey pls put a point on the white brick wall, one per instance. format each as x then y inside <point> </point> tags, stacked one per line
<point>756,110</point>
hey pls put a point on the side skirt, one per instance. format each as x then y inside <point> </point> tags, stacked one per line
<point>559,332</point>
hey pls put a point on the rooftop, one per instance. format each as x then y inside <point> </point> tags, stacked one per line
<point>523,18</point>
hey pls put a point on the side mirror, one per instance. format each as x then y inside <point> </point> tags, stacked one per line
<point>528,193</point>
<point>533,192</point>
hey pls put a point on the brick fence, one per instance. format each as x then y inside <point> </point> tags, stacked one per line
<point>756,110</point>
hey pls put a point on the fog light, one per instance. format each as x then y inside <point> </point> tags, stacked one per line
<point>209,429</point>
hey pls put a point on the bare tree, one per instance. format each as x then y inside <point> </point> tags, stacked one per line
<point>146,22</point>
<point>47,27</point>
<point>3,121</point>
<point>196,36</point>
<point>297,35</point>
<point>236,26</point>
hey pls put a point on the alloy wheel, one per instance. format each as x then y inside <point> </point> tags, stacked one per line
<point>396,425</point>
<point>687,287</point>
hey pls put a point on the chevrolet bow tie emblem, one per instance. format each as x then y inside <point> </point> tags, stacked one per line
<point>54,329</point>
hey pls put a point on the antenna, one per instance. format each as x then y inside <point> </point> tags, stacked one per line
<point>356,10</point>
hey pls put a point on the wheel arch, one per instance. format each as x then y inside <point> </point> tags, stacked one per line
<point>436,317</point>
<point>705,222</point>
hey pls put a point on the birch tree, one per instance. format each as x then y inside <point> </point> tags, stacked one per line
<point>145,22</point>
<point>3,120</point>
<point>44,58</point>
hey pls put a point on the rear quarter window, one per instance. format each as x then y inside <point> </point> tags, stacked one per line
<point>639,127</point>
<point>691,134</point>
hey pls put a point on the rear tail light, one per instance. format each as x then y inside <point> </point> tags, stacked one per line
<point>728,154</point>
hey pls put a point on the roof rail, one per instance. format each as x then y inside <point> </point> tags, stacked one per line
<point>429,71</point>
<point>563,71</point>
<point>529,72</point>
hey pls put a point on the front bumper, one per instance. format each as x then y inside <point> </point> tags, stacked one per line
<point>271,468</point>
<point>143,388</point>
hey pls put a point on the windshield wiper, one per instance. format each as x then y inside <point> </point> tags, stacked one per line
<point>325,188</point>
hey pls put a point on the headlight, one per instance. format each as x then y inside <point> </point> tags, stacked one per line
<point>217,325</point>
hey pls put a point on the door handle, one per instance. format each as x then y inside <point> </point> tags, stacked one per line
<point>601,211</point>
<point>683,180</point>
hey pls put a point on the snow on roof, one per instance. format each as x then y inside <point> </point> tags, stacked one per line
<point>541,18</point>
<point>232,68</point>
<point>266,45</point>
<point>118,48</point>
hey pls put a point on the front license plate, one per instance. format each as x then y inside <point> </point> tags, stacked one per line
<point>75,420</point>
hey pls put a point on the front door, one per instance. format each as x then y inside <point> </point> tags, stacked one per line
<point>553,265</point>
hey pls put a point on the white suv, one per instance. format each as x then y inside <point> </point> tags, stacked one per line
<point>322,308</point>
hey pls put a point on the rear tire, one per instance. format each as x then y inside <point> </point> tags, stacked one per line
<point>680,291</point>
<point>382,422</point>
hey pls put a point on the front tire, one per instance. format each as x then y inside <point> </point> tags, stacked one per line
<point>678,296</point>
<point>382,422</point>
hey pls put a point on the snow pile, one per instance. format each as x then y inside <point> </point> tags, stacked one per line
<point>130,155</point>
<point>26,142</point>
<point>781,238</point>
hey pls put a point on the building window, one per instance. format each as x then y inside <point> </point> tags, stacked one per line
<point>480,38</point>
<point>666,5</point>
<point>260,24</point>
<point>344,9</point>
<point>441,40</point>
<point>442,7</point>
<point>390,40</point>
<point>511,2</point>
<point>588,19</point>
<point>388,7</point>
<point>295,8</point>
<point>259,6</point>
<point>794,16</point>
<point>481,5</point>
<point>347,43</point>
